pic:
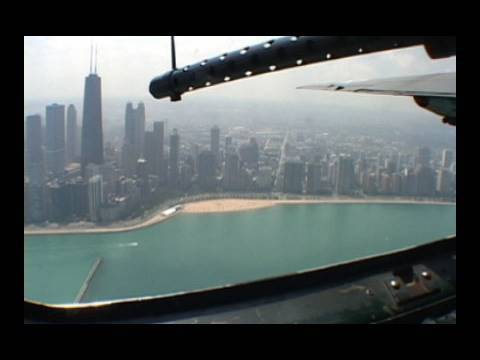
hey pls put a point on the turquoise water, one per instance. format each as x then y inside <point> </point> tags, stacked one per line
<point>195,251</point>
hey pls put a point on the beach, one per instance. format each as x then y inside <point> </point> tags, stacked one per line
<point>231,205</point>
<point>219,206</point>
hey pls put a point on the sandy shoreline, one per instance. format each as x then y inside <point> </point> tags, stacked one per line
<point>233,205</point>
<point>224,205</point>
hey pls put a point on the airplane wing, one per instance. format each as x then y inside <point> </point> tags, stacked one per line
<point>434,92</point>
<point>438,85</point>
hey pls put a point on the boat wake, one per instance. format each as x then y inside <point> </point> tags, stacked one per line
<point>128,244</point>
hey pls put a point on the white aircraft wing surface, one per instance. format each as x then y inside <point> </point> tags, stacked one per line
<point>431,85</point>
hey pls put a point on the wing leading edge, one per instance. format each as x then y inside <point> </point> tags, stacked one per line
<point>434,92</point>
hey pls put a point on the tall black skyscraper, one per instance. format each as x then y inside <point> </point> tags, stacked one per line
<point>92,132</point>
<point>71,133</point>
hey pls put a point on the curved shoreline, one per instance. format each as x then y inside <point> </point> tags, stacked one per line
<point>222,206</point>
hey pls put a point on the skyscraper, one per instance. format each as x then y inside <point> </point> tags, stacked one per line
<point>142,172</point>
<point>425,180</point>
<point>71,133</point>
<point>139,138</point>
<point>55,139</point>
<point>231,173</point>
<point>396,184</point>
<point>447,158</point>
<point>159,139</point>
<point>249,153</point>
<point>345,175</point>
<point>35,169</point>
<point>228,144</point>
<point>92,131</point>
<point>150,152</point>
<point>129,124</point>
<point>35,160</point>
<point>423,157</point>
<point>206,170</point>
<point>314,178</point>
<point>134,140</point>
<point>215,142</point>
<point>173,159</point>
<point>294,177</point>
<point>95,196</point>
<point>443,181</point>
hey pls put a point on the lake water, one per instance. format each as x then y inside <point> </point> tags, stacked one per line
<point>196,251</point>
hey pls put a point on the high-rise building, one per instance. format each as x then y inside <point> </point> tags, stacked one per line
<point>140,128</point>
<point>215,142</point>
<point>95,197</point>
<point>142,172</point>
<point>332,172</point>
<point>134,139</point>
<point>396,184</point>
<point>443,182</point>
<point>129,124</point>
<point>173,162</point>
<point>206,170</point>
<point>128,159</point>
<point>369,183</point>
<point>35,169</point>
<point>249,153</point>
<point>71,133</point>
<point>425,181</point>
<point>186,175</point>
<point>79,190</point>
<point>264,178</point>
<point>59,201</point>
<point>345,176</point>
<point>314,178</point>
<point>34,151</point>
<point>159,136</point>
<point>423,157</point>
<point>409,182</point>
<point>92,131</point>
<point>294,177</point>
<point>231,173</point>
<point>447,158</point>
<point>36,196</point>
<point>150,152</point>
<point>228,144</point>
<point>386,184</point>
<point>55,139</point>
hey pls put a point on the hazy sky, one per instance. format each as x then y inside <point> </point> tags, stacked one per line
<point>55,67</point>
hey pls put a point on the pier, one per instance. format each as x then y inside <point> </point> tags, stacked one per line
<point>86,283</point>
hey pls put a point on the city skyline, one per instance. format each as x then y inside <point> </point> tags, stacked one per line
<point>275,161</point>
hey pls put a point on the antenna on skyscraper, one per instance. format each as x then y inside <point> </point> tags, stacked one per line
<point>96,53</point>
<point>91,55</point>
